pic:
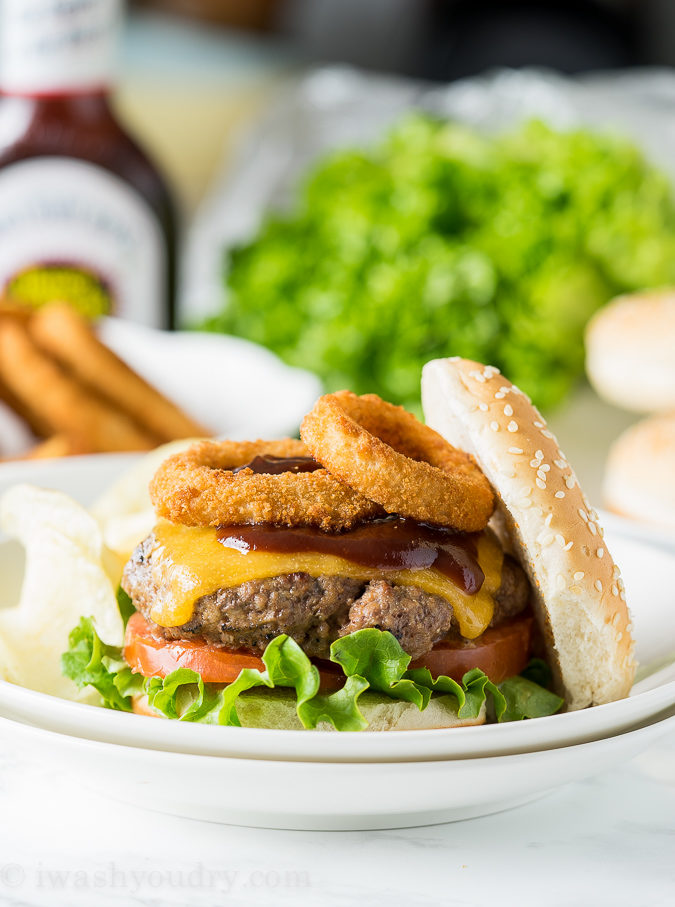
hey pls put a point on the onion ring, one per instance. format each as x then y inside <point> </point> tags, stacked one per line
<point>384,452</point>
<point>198,488</point>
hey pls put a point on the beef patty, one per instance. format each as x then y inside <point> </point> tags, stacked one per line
<point>314,611</point>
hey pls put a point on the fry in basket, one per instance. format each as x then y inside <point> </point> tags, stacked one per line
<point>59,400</point>
<point>68,337</point>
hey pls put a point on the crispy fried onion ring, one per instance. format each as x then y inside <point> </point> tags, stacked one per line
<point>385,453</point>
<point>198,488</point>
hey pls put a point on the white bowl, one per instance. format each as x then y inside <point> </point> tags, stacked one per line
<point>325,795</point>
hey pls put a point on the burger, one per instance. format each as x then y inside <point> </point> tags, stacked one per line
<point>379,573</point>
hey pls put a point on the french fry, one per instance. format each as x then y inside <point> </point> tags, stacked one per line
<point>13,314</point>
<point>68,337</point>
<point>59,400</point>
<point>57,446</point>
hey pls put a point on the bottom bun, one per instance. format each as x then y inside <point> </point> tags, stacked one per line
<point>640,477</point>
<point>276,709</point>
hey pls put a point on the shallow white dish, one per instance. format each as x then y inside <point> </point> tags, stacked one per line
<point>91,723</point>
<point>231,386</point>
<point>320,795</point>
<point>648,575</point>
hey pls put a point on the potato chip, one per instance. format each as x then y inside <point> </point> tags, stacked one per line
<point>69,573</point>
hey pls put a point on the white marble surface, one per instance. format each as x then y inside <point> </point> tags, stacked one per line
<point>609,842</point>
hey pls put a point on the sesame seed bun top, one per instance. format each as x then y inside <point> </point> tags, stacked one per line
<point>579,597</point>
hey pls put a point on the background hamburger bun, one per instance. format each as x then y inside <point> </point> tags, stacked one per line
<point>276,709</point>
<point>579,596</point>
<point>630,351</point>
<point>640,475</point>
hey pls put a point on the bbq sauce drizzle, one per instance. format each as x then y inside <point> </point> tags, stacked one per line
<point>391,543</point>
<point>269,465</point>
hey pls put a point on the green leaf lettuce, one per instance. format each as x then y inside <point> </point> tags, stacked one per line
<point>372,660</point>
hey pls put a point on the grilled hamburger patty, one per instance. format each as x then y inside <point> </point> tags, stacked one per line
<point>314,610</point>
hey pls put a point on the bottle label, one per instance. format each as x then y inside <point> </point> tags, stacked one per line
<point>49,46</point>
<point>72,231</point>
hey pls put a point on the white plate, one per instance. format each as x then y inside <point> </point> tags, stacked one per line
<point>647,571</point>
<point>661,537</point>
<point>229,385</point>
<point>320,795</point>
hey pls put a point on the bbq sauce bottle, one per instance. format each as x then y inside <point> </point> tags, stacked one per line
<point>84,215</point>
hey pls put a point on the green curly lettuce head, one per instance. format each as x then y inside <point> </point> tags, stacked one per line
<point>440,241</point>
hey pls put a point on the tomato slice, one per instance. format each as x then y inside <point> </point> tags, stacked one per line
<point>501,652</point>
<point>147,652</point>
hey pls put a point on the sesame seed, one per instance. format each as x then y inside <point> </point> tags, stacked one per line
<point>504,389</point>
<point>535,464</point>
<point>538,424</point>
<point>620,583</point>
<point>547,521</point>
<point>483,407</point>
<point>494,426</point>
<point>561,464</point>
<point>593,528</point>
<point>512,426</point>
<point>539,483</point>
<point>600,552</point>
<point>568,546</point>
<point>616,572</point>
<point>508,410</point>
<point>583,515</point>
<point>546,433</point>
<point>539,454</point>
<point>615,589</point>
<point>515,450</point>
<point>598,585</point>
<point>560,494</point>
<point>542,474</point>
<point>499,395</point>
<point>622,596</point>
<point>579,575</point>
<point>545,467</point>
<point>570,481</point>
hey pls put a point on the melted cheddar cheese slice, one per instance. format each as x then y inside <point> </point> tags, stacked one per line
<point>189,562</point>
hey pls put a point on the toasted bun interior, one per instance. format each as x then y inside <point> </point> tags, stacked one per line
<point>277,709</point>
<point>579,595</point>
<point>640,475</point>
<point>630,351</point>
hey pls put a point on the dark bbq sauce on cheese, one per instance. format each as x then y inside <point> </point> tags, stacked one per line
<point>392,543</point>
